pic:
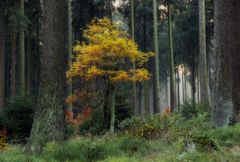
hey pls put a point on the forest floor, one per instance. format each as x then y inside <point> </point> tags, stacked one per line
<point>174,137</point>
<point>124,148</point>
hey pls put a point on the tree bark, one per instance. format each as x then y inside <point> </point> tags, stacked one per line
<point>141,100</point>
<point>48,125</point>
<point>21,54</point>
<point>203,75</point>
<point>145,83</point>
<point>155,36</point>
<point>134,65</point>
<point>112,96</point>
<point>171,60</point>
<point>2,57</point>
<point>226,98</point>
<point>29,60</point>
<point>70,46</point>
<point>13,64</point>
<point>108,8</point>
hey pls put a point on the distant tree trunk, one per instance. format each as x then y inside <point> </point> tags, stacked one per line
<point>108,8</point>
<point>112,97</point>
<point>183,89</point>
<point>198,86</point>
<point>13,64</point>
<point>178,88</point>
<point>226,98</point>
<point>29,60</point>
<point>48,125</point>
<point>193,84</point>
<point>2,57</point>
<point>155,36</point>
<point>21,74</point>
<point>203,75</point>
<point>146,83</point>
<point>134,66</point>
<point>70,46</point>
<point>171,60</point>
<point>141,100</point>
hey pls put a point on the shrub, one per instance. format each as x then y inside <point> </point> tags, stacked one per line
<point>18,155</point>
<point>167,126</point>
<point>17,117</point>
<point>3,139</point>
<point>204,157</point>
<point>132,145</point>
<point>95,124</point>
<point>193,126</point>
<point>83,149</point>
<point>228,136</point>
<point>190,109</point>
<point>151,127</point>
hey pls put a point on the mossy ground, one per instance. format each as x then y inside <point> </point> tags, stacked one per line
<point>123,148</point>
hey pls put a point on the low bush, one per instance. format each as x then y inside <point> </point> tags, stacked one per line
<point>18,155</point>
<point>190,109</point>
<point>228,136</point>
<point>17,117</point>
<point>81,150</point>
<point>95,149</point>
<point>3,140</point>
<point>206,157</point>
<point>169,127</point>
<point>151,127</point>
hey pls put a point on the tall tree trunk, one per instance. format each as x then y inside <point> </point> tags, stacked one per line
<point>145,83</point>
<point>29,60</point>
<point>21,80</point>
<point>204,80</point>
<point>134,65</point>
<point>48,122</point>
<point>183,89</point>
<point>13,64</point>
<point>226,98</point>
<point>70,46</point>
<point>178,88</point>
<point>193,83</point>
<point>2,57</point>
<point>155,36</point>
<point>112,96</point>
<point>198,87</point>
<point>108,8</point>
<point>141,100</point>
<point>171,60</point>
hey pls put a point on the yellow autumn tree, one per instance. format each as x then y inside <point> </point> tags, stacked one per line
<point>108,53</point>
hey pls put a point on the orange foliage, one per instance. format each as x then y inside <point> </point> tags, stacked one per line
<point>167,111</point>
<point>108,53</point>
<point>3,139</point>
<point>80,119</point>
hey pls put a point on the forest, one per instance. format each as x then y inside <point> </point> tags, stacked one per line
<point>119,81</point>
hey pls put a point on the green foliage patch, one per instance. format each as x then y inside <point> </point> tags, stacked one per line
<point>17,117</point>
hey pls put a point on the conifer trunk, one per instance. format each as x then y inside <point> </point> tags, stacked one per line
<point>112,96</point>
<point>171,60</point>
<point>48,125</point>
<point>13,64</point>
<point>70,38</point>
<point>2,57</point>
<point>226,96</point>
<point>134,66</point>
<point>204,85</point>
<point>146,83</point>
<point>21,88</point>
<point>29,60</point>
<point>155,36</point>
